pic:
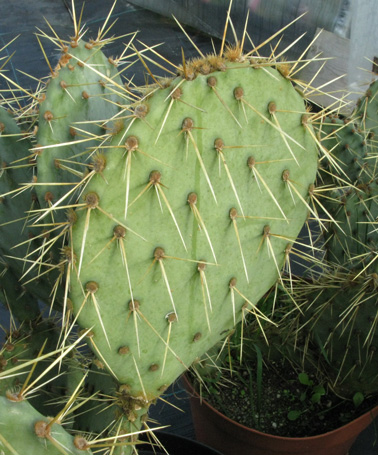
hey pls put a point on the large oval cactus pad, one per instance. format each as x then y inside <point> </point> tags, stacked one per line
<point>188,225</point>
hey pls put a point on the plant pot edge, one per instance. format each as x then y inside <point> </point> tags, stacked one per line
<point>339,440</point>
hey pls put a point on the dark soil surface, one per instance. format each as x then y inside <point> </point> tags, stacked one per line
<point>286,407</point>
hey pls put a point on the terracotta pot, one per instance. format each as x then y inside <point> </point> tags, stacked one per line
<point>216,430</point>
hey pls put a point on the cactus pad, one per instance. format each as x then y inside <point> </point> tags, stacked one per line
<point>203,190</point>
<point>25,430</point>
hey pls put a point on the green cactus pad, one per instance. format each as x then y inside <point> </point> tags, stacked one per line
<point>81,103</point>
<point>16,234</point>
<point>355,209</point>
<point>202,192</point>
<point>367,109</point>
<point>15,170</point>
<point>20,360</point>
<point>341,306</point>
<point>341,318</point>
<point>21,304</point>
<point>25,430</point>
<point>350,146</point>
<point>109,407</point>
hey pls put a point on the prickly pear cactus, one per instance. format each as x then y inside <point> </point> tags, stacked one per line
<point>14,154</point>
<point>81,102</point>
<point>167,218</point>
<point>14,297</point>
<point>15,231</point>
<point>203,189</point>
<point>367,110</point>
<point>21,364</point>
<point>341,314</point>
<point>342,322</point>
<point>25,430</point>
<point>108,405</point>
<point>352,202</point>
<point>39,168</point>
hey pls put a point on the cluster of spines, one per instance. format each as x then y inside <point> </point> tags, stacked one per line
<point>17,238</point>
<point>38,378</point>
<point>341,305</point>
